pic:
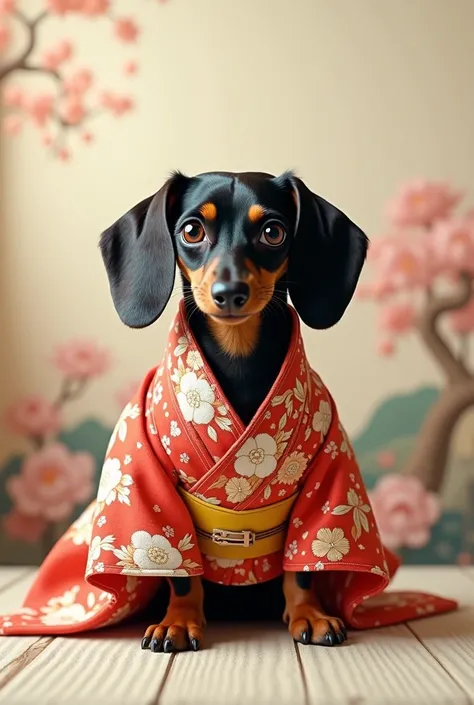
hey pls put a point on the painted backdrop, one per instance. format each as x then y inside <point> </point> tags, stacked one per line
<point>102,98</point>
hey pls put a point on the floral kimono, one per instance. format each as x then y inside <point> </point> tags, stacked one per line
<point>187,489</point>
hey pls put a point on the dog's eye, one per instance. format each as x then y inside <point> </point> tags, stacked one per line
<point>193,233</point>
<point>273,234</point>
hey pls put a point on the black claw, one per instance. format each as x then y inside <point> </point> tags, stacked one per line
<point>329,638</point>
<point>194,644</point>
<point>340,637</point>
<point>146,642</point>
<point>155,645</point>
<point>304,637</point>
<point>168,646</point>
<point>344,631</point>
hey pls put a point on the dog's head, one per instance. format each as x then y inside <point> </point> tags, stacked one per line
<point>234,237</point>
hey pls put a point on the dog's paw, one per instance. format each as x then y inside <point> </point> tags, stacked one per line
<point>179,631</point>
<point>307,625</point>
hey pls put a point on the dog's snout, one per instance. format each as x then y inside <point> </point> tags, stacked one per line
<point>230,296</point>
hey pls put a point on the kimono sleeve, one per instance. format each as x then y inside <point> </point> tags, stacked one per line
<point>333,533</point>
<point>141,525</point>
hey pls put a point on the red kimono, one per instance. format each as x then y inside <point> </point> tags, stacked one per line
<point>181,470</point>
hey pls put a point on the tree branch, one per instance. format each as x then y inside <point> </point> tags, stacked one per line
<point>19,63</point>
<point>453,368</point>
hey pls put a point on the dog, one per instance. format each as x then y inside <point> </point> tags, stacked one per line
<point>243,243</point>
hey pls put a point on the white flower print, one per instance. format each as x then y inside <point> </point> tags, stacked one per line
<point>238,489</point>
<point>256,456</point>
<point>157,393</point>
<point>127,460</point>
<point>149,553</point>
<point>182,346</point>
<point>223,562</point>
<point>65,610</point>
<point>166,443</point>
<point>156,508</point>
<point>169,364</point>
<point>325,508</point>
<point>97,546</point>
<point>330,543</point>
<point>196,398</point>
<point>378,571</point>
<point>168,531</point>
<point>319,566</point>
<point>322,418</point>
<point>194,360</point>
<point>266,565</point>
<point>175,430</point>
<point>153,430</point>
<point>121,428</point>
<point>113,485</point>
<point>184,458</point>
<point>297,522</point>
<point>331,449</point>
<point>282,493</point>
<point>99,567</point>
<point>345,444</point>
<point>101,521</point>
<point>292,550</point>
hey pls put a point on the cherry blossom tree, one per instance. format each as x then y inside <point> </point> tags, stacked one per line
<point>423,283</point>
<point>73,98</point>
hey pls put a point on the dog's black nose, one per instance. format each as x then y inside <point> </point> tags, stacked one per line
<point>230,295</point>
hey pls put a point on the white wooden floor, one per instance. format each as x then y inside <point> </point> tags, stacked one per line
<point>428,662</point>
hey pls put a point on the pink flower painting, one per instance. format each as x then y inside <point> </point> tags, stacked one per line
<point>33,416</point>
<point>52,481</point>
<point>75,98</point>
<point>404,510</point>
<point>422,278</point>
<point>22,527</point>
<point>82,359</point>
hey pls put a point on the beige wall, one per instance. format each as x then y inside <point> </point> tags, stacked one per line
<point>356,96</point>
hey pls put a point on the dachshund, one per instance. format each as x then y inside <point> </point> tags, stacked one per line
<point>243,243</point>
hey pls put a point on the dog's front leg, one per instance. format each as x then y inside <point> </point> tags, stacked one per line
<point>183,624</point>
<point>307,622</point>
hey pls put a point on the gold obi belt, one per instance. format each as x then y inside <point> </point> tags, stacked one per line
<point>227,533</point>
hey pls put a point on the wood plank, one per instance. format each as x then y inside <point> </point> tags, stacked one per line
<point>241,664</point>
<point>106,667</point>
<point>10,574</point>
<point>386,665</point>
<point>15,651</point>
<point>450,637</point>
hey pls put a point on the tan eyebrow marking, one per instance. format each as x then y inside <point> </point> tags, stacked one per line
<point>208,211</point>
<point>256,212</point>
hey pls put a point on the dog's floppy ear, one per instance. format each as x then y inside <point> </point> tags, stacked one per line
<point>325,260</point>
<point>139,257</point>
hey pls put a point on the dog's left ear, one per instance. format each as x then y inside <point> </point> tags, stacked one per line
<point>325,260</point>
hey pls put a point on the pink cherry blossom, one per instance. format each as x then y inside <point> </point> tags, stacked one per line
<point>53,58</point>
<point>64,154</point>
<point>386,459</point>
<point>59,7</point>
<point>14,97</point>
<point>93,8</point>
<point>404,511</point>
<point>82,359</point>
<point>22,527</point>
<point>5,37</point>
<point>130,68</point>
<point>12,124</point>
<point>126,29</point>
<point>64,50</point>
<point>51,482</point>
<point>118,105</point>
<point>87,137</point>
<point>72,111</point>
<point>462,320</point>
<point>404,265</point>
<point>33,416</point>
<point>397,318</point>
<point>79,82</point>
<point>454,245</point>
<point>47,139</point>
<point>7,6</point>
<point>421,203</point>
<point>386,347</point>
<point>124,395</point>
<point>40,108</point>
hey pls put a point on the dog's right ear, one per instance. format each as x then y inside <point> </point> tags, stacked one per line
<point>139,256</point>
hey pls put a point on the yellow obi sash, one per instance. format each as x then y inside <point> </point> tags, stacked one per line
<point>227,533</point>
